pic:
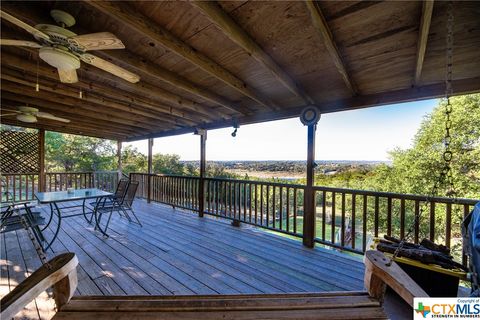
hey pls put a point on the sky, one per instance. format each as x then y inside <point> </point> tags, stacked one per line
<point>364,134</point>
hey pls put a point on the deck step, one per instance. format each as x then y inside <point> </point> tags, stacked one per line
<point>331,305</point>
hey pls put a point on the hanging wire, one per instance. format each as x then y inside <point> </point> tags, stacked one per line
<point>37,85</point>
<point>445,175</point>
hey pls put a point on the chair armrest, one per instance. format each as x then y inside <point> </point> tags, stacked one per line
<point>378,275</point>
<point>62,275</point>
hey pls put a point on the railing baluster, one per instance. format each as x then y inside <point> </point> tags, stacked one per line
<point>416,226</point>
<point>324,213</point>
<point>389,216</point>
<point>376,215</point>
<point>261,205</point>
<point>402,218</point>
<point>354,234</point>
<point>332,235</point>
<point>268,206</point>
<point>295,210</point>
<point>432,221</point>
<point>342,228</point>
<point>448,224</point>
<point>364,217</point>
<point>287,213</point>
<point>466,210</point>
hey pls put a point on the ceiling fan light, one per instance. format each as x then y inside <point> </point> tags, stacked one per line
<point>59,59</point>
<point>29,118</point>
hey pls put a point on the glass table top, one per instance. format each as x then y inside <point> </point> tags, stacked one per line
<point>77,194</point>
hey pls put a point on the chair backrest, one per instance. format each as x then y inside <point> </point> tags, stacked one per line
<point>130,194</point>
<point>121,188</point>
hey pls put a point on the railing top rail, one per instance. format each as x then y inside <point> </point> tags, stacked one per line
<point>271,183</point>
<point>333,189</point>
<point>405,196</point>
<point>17,174</point>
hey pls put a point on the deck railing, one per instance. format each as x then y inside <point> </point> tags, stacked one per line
<point>22,187</point>
<point>345,218</point>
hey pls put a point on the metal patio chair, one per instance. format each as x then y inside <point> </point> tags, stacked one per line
<point>118,195</point>
<point>122,205</point>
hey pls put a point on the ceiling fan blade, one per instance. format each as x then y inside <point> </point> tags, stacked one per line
<point>68,75</point>
<point>96,41</point>
<point>50,116</point>
<point>11,110</point>
<point>24,26</point>
<point>109,67</point>
<point>8,114</point>
<point>19,43</point>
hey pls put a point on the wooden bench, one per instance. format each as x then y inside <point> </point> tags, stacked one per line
<point>62,277</point>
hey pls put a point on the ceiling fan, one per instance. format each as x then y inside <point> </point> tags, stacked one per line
<point>30,115</point>
<point>63,49</point>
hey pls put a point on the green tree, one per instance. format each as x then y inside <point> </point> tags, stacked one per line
<point>66,152</point>
<point>415,170</point>
<point>133,160</point>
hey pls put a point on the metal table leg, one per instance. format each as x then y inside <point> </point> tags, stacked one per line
<point>50,219</point>
<point>85,212</point>
<point>59,215</point>
<point>97,219</point>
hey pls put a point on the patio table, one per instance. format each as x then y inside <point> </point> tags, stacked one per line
<point>56,197</point>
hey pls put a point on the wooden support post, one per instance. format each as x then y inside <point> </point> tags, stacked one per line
<point>150,170</point>
<point>203,162</point>
<point>41,159</point>
<point>119,159</point>
<point>309,197</point>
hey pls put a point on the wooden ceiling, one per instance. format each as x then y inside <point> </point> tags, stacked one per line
<point>213,64</point>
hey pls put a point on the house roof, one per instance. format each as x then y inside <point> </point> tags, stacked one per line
<point>213,64</point>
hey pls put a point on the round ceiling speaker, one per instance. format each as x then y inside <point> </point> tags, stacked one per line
<point>59,59</point>
<point>29,118</point>
<point>310,115</point>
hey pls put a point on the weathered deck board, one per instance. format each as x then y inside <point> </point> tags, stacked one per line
<point>175,252</point>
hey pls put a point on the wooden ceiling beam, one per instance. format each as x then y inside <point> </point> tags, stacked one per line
<point>134,103</point>
<point>72,113</point>
<point>463,86</point>
<point>423,31</point>
<point>155,71</point>
<point>125,15</point>
<point>112,109</point>
<point>56,109</point>
<point>50,126</point>
<point>214,12</point>
<point>182,107</point>
<point>196,110</point>
<point>321,26</point>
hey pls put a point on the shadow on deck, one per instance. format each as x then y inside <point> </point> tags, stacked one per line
<point>175,252</point>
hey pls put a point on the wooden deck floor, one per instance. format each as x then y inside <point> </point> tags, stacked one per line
<point>175,252</point>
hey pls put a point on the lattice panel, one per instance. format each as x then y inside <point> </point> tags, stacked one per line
<point>19,152</point>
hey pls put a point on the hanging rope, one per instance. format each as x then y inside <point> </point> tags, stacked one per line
<point>446,175</point>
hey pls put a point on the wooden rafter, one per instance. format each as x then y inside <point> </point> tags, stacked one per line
<point>424,30</point>
<point>68,129</point>
<point>83,115</point>
<point>237,34</point>
<point>322,27</point>
<point>74,113</point>
<point>68,94</point>
<point>463,86</point>
<point>126,16</point>
<point>162,74</point>
<point>138,95</point>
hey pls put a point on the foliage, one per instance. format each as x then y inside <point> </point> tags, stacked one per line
<point>66,152</point>
<point>416,169</point>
